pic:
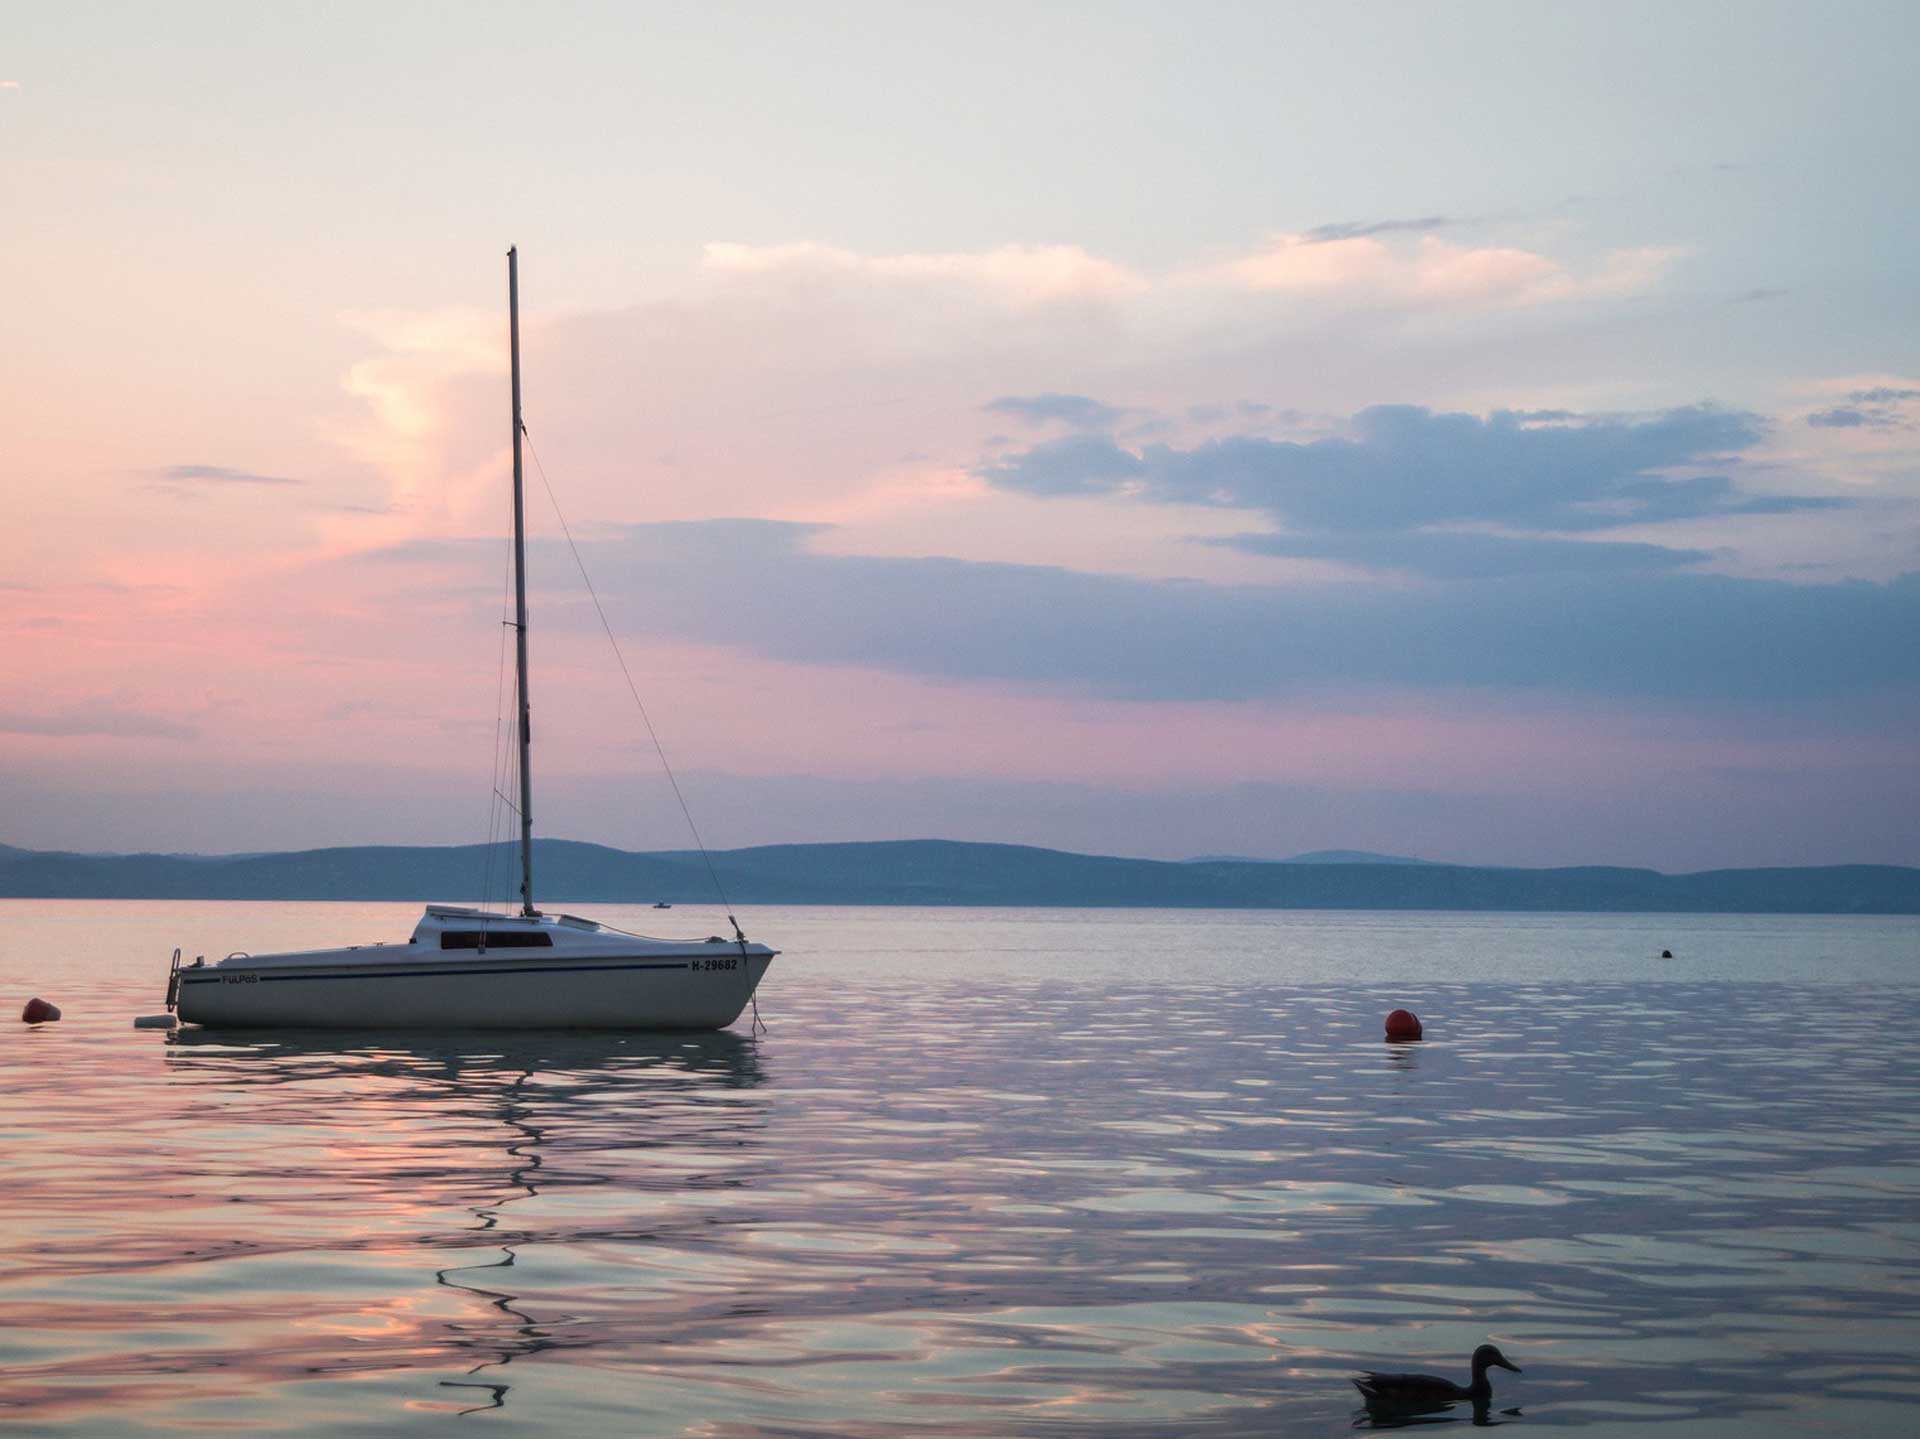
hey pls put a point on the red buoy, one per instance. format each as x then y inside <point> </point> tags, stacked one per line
<point>1403,1024</point>
<point>38,1011</point>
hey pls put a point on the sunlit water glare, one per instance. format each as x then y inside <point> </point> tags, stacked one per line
<point>986,1173</point>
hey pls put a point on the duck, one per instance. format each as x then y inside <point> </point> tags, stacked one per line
<point>1409,1389</point>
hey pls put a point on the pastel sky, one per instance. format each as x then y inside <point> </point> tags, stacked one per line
<point>1487,432</point>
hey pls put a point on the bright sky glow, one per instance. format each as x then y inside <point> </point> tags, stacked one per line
<point>1484,432</point>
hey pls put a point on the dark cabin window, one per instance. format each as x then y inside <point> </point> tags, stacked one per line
<point>495,939</point>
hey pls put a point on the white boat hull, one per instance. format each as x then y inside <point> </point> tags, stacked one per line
<point>705,988</point>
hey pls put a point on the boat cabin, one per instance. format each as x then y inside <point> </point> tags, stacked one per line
<point>446,926</point>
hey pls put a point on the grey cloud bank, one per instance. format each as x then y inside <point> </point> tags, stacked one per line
<point>1405,466</point>
<point>219,475</point>
<point>1655,633</point>
<point>1076,410</point>
<point>1877,408</point>
<point>1361,229</point>
<point>95,719</point>
<point>1844,417</point>
<point>1459,555</point>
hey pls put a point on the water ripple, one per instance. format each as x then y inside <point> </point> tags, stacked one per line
<point>975,1206</point>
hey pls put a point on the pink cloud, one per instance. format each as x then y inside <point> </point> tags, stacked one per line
<point>1432,270</point>
<point>1020,274</point>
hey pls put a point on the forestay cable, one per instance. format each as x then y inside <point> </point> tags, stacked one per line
<point>713,874</point>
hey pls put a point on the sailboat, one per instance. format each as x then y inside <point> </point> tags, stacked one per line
<point>466,968</point>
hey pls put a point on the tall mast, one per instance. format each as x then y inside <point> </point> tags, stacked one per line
<point>520,595</point>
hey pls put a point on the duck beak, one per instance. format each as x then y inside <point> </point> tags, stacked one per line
<point>1505,1363</point>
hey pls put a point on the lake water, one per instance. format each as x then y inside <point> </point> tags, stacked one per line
<point>1112,1173</point>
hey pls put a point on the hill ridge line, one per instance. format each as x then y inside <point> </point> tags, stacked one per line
<point>950,872</point>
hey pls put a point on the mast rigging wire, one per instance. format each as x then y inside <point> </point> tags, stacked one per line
<point>707,859</point>
<point>499,712</point>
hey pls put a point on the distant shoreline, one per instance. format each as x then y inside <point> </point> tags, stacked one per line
<point>951,872</point>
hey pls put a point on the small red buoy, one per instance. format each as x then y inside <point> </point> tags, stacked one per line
<point>1403,1024</point>
<point>38,1011</point>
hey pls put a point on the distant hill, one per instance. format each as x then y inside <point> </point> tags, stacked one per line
<point>942,872</point>
<point>1317,856</point>
<point>1351,856</point>
<point>1310,857</point>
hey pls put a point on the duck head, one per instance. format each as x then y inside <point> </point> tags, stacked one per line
<point>1488,1356</point>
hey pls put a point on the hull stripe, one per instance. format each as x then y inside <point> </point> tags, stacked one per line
<point>438,973</point>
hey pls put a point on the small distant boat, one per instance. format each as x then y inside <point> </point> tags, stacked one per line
<point>481,969</point>
<point>661,904</point>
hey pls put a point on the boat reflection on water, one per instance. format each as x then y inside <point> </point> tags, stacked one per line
<point>717,1055</point>
<point>486,1124</point>
<point>524,1334</point>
